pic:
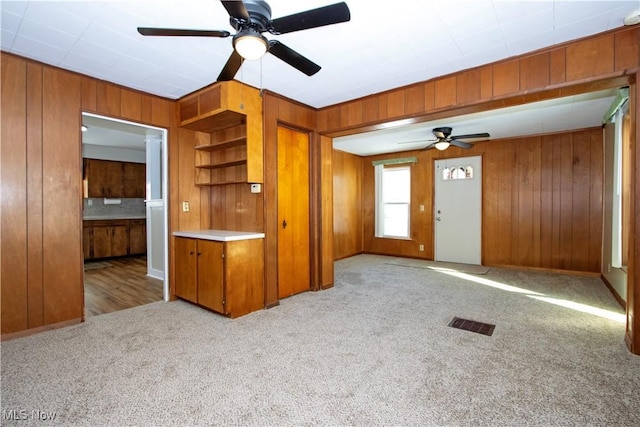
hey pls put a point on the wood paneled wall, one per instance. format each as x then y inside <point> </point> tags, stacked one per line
<point>542,202</point>
<point>41,173</point>
<point>222,207</point>
<point>347,204</point>
<point>573,67</point>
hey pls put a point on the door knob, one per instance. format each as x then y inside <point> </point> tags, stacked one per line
<point>284,223</point>
<point>438,218</point>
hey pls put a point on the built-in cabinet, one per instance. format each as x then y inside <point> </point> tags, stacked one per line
<point>107,178</point>
<point>223,276</point>
<point>114,238</point>
<point>229,116</point>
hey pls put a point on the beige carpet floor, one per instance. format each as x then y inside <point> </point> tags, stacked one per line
<point>373,350</point>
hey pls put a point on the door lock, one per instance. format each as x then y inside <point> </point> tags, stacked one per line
<point>284,223</point>
<point>438,218</point>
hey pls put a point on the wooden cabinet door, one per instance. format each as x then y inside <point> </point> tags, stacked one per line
<point>186,269</point>
<point>101,241</point>
<point>210,275</point>
<point>119,240</point>
<point>105,178</point>
<point>135,180</point>
<point>293,213</point>
<point>86,241</point>
<point>244,276</point>
<point>137,237</point>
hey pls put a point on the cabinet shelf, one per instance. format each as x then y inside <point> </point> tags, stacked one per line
<point>236,142</point>
<point>223,164</point>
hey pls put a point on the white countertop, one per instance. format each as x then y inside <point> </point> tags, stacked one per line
<point>107,217</point>
<point>219,235</point>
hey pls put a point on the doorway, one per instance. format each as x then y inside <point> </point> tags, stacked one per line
<point>128,226</point>
<point>294,260</point>
<point>458,210</point>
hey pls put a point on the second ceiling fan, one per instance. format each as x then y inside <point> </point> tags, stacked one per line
<point>251,18</point>
<point>444,139</point>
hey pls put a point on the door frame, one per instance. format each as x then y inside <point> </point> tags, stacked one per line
<point>312,204</point>
<point>165,190</point>
<point>480,210</point>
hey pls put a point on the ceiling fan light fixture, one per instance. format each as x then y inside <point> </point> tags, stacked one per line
<point>250,44</point>
<point>442,145</point>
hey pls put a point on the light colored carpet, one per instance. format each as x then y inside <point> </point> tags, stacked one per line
<point>373,350</point>
<point>437,265</point>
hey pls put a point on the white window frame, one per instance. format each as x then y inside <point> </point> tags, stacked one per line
<point>381,203</point>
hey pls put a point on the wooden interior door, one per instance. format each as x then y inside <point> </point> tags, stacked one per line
<point>293,212</point>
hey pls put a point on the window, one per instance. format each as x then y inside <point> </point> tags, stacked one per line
<point>393,196</point>
<point>457,172</point>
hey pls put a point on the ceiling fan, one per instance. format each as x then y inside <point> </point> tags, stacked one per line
<point>251,18</point>
<point>444,139</point>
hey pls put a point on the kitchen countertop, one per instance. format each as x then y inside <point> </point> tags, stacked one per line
<point>219,235</point>
<point>114,217</point>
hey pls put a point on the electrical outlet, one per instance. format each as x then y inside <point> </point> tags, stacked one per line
<point>421,208</point>
<point>185,206</point>
<point>421,248</point>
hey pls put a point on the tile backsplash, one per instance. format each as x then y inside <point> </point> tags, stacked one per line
<point>127,206</point>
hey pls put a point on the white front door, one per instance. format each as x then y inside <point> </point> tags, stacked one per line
<point>458,210</point>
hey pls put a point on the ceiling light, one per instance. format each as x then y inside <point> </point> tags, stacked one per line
<point>83,128</point>
<point>633,18</point>
<point>442,145</point>
<point>250,44</point>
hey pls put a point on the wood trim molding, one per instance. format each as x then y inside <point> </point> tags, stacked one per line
<point>45,328</point>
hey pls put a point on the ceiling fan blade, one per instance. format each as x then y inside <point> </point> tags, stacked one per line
<point>236,9</point>
<point>471,135</point>
<point>145,31</point>
<point>417,141</point>
<point>293,58</point>
<point>327,15</point>
<point>231,67</point>
<point>430,146</point>
<point>460,144</point>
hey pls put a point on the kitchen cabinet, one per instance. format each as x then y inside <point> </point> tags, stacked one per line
<point>110,239</point>
<point>137,236</point>
<point>223,276</point>
<point>114,238</point>
<point>86,240</point>
<point>111,179</point>
<point>135,180</point>
<point>104,178</point>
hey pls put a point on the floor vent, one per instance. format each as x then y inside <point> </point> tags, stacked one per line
<point>472,325</point>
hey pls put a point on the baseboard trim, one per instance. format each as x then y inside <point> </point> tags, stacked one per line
<point>39,329</point>
<point>618,298</point>
<point>273,304</point>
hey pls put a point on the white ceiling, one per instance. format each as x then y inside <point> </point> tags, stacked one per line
<point>384,46</point>
<point>555,115</point>
<point>116,133</point>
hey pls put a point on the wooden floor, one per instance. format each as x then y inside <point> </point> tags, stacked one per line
<point>119,283</point>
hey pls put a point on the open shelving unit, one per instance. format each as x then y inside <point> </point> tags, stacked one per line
<point>231,115</point>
